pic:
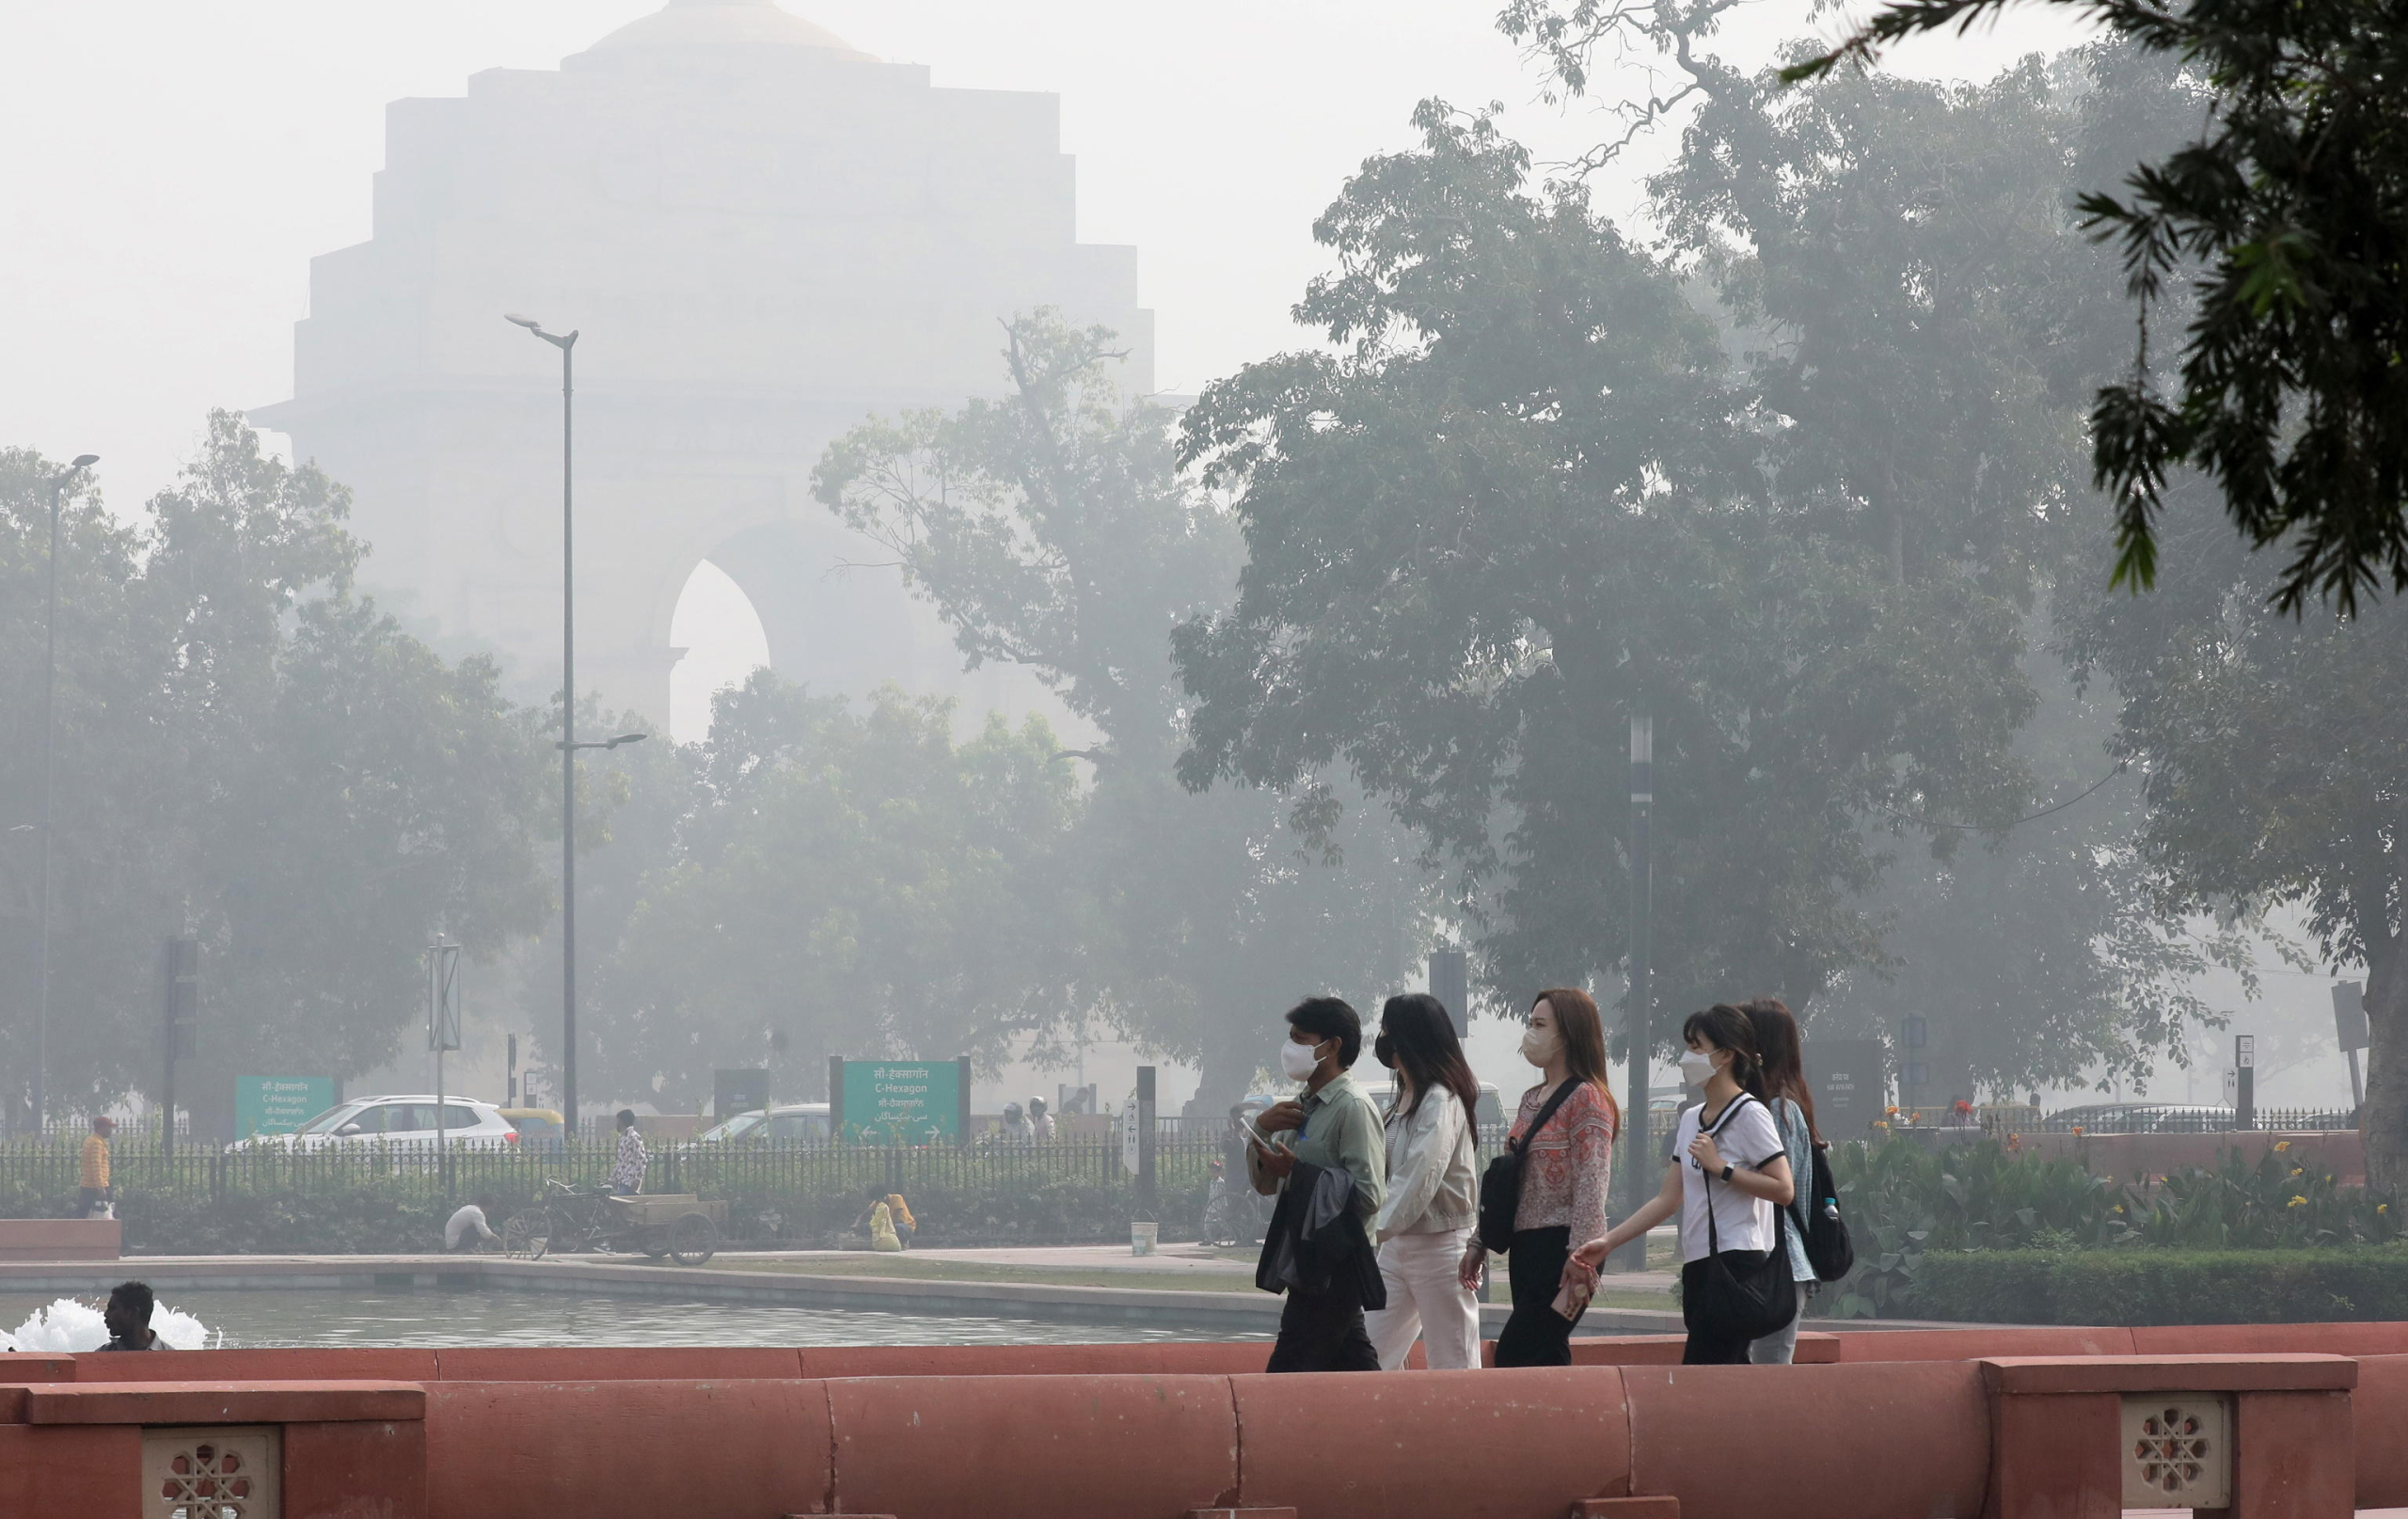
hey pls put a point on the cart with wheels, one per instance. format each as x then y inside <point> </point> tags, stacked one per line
<point>679,1225</point>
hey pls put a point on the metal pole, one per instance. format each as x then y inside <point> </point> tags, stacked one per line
<point>568,752</point>
<point>1635,1120</point>
<point>49,782</point>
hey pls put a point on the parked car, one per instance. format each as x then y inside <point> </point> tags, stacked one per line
<point>538,1128</point>
<point>403,1122</point>
<point>787,1123</point>
<point>2145,1118</point>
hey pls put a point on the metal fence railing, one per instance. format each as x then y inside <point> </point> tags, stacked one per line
<point>783,1169</point>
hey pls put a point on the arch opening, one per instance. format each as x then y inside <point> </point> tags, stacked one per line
<point>724,642</point>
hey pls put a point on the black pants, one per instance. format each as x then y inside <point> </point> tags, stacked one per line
<point>1536,1335</point>
<point>1324,1332</point>
<point>1710,1345</point>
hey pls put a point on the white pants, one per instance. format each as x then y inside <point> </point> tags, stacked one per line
<point>1428,1299</point>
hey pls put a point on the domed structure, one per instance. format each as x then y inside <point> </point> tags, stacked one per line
<point>764,236</point>
<point>726,24</point>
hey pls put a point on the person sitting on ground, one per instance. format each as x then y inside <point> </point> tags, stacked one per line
<point>881,1224</point>
<point>905,1225</point>
<point>466,1231</point>
<point>94,1198</point>
<point>626,1173</point>
<point>1017,1129</point>
<point>1039,1120</point>
<point>127,1317</point>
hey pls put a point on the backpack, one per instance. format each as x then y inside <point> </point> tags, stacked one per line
<point>1824,1233</point>
<point>1500,1188</point>
<point>1829,1249</point>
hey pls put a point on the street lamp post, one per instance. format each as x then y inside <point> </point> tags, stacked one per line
<point>567,345</point>
<point>1636,1122</point>
<point>49,781</point>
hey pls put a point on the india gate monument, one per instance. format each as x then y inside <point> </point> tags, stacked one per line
<point>763,236</point>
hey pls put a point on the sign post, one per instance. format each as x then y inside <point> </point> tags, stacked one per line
<point>2350,1027</point>
<point>1851,1085</point>
<point>1450,983</point>
<point>1145,1105</point>
<point>897,1101</point>
<point>442,1034</point>
<point>183,1032</point>
<point>2244,1065</point>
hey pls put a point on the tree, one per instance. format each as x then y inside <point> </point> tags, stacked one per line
<point>2275,752</point>
<point>1913,302</point>
<point>251,755</point>
<point>847,883</point>
<point>1051,528</point>
<point>2279,233</point>
<point>1526,498</point>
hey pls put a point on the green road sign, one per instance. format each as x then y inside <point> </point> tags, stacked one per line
<point>900,1102</point>
<point>280,1104</point>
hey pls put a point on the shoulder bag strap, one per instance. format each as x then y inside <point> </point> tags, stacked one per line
<point>1563,1094</point>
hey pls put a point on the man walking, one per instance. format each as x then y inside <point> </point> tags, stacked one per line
<point>627,1174</point>
<point>1323,1255</point>
<point>94,1197</point>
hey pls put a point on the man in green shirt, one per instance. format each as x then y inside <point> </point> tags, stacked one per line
<point>1336,1128</point>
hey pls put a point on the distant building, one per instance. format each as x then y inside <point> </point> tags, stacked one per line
<point>763,235</point>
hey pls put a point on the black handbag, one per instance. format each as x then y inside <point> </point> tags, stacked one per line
<point>1500,1188</point>
<point>1742,1301</point>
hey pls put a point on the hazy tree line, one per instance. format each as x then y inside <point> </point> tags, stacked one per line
<point>1802,468</point>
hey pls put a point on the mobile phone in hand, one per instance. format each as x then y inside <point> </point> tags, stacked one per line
<point>1573,1300</point>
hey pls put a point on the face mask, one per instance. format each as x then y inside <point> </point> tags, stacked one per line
<point>1298,1061</point>
<point>1538,1045</point>
<point>1384,1053</point>
<point>1696,1068</point>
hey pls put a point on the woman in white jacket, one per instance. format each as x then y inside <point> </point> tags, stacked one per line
<point>1433,1196</point>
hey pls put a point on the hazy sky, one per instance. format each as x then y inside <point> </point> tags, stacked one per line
<point>172,165</point>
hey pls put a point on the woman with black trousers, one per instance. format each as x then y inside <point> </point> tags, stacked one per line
<point>1732,1161</point>
<point>1567,1172</point>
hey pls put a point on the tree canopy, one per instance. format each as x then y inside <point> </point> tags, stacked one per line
<point>2279,235</point>
<point>249,755</point>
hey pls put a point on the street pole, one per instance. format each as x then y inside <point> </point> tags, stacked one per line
<point>49,783</point>
<point>567,345</point>
<point>1636,1122</point>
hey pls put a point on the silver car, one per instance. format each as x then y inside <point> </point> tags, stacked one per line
<point>407,1122</point>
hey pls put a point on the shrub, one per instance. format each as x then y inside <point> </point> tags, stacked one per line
<point>2162,1286</point>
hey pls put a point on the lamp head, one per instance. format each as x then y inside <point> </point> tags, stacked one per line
<point>628,738</point>
<point>84,461</point>
<point>527,321</point>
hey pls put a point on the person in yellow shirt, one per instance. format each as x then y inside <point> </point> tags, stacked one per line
<point>94,1197</point>
<point>905,1225</point>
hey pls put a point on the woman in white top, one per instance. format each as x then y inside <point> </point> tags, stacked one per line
<point>1433,1192</point>
<point>1728,1156</point>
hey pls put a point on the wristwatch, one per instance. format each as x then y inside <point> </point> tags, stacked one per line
<point>1726,1170</point>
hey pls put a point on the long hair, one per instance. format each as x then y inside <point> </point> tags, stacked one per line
<point>1422,1038</point>
<point>1583,1033</point>
<point>1725,1027</point>
<point>1777,1042</point>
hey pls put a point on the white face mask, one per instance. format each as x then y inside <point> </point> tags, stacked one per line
<point>1298,1061</point>
<point>1696,1068</point>
<point>1538,1045</point>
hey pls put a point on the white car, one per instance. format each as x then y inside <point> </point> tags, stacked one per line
<point>407,1122</point>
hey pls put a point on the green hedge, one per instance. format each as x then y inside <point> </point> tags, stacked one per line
<point>2144,1286</point>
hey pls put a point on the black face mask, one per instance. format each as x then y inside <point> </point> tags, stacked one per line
<point>1383,1051</point>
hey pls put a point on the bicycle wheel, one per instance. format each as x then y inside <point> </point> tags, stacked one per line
<point>527,1236</point>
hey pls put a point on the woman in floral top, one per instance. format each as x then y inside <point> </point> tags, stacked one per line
<point>1567,1170</point>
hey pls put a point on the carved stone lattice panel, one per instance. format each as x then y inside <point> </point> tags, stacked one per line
<point>2178,1450</point>
<point>212,1473</point>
